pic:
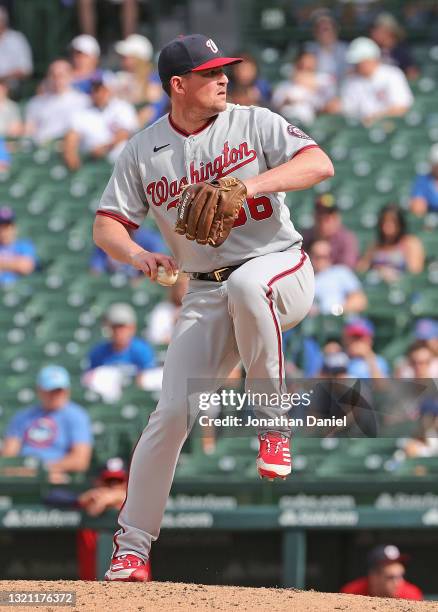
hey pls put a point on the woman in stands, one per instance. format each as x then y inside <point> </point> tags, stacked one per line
<point>395,251</point>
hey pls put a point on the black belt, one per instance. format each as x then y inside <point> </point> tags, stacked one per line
<point>217,276</point>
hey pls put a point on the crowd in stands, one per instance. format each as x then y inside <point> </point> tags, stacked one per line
<point>93,111</point>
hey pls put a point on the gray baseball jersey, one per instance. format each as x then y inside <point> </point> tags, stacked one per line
<point>161,159</point>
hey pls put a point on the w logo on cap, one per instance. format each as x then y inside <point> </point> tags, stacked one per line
<point>212,45</point>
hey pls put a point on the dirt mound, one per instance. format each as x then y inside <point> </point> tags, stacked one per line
<point>172,597</point>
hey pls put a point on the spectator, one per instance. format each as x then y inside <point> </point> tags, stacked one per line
<point>15,53</point>
<point>422,362</point>
<point>138,83</point>
<point>330,52</point>
<point>48,114</point>
<point>424,194</point>
<point>128,16</point>
<point>425,442</point>
<point>10,119</point>
<point>5,158</point>
<point>358,342</point>
<point>337,289</point>
<point>85,54</point>
<point>306,94</point>
<point>332,399</point>
<point>334,365</point>
<point>149,239</point>
<point>123,357</point>
<point>244,95</point>
<point>164,315</point>
<point>388,34</point>
<point>246,75</point>
<point>17,255</point>
<point>394,251</point>
<point>100,131</point>
<point>375,90</point>
<point>386,570</point>
<point>55,430</point>
<point>328,226</point>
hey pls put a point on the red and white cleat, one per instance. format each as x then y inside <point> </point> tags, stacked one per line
<point>274,459</point>
<point>128,568</point>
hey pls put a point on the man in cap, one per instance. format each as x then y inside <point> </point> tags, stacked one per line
<point>102,130</point>
<point>424,194</point>
<point>386,571</point>
<point>358,338</point>
<point>328,226</point>
<point>124,349</point>
<point>55,430</point>
<point>85,55</point>
<point>375,90</point>
<point>17,255</point>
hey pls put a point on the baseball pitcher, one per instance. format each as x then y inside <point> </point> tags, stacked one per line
<point>214,175</point>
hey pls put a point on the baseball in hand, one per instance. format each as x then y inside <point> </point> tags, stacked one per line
<point>164,278</point>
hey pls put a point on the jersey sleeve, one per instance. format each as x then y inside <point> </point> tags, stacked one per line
<point>280,140</point>
<point>419,187</point>
<point>399,92</point>
<point>351,99</point>
<point>144,356</point>
<point>26,248</point>
<point>351,282</point>
<point>24,54</point>
<point>126,118</point>
<point>80,428</point>
<point>5,158</point>
<point>95,358</point>
<point>124,198</point>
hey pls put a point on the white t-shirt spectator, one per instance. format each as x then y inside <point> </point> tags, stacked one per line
<point>364,97</point>
<point>15,53</point>
<point>333,286</point>
<point>97,127</point>
<point>49,115</point>
<point>295,101</point>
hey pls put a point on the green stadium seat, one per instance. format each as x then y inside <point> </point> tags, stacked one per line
<point>337,466</point>
<point>417,468</point>
<point>20,469</point>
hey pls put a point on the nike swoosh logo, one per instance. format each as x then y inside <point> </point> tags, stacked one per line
<point>156,149</point>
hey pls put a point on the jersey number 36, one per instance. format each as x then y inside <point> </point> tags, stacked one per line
<point>259,208</point>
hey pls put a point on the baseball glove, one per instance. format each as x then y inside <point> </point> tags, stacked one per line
<point>207,211</point>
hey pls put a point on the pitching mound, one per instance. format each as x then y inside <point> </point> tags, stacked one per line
<point>171,597</point>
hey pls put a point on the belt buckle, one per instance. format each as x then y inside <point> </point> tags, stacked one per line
<point>217,274</point>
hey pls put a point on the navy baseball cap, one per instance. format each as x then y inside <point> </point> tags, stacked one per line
<point>7,215</point>
<point>190,54</point>
<point>335,363</point>
<point>384,555</point>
